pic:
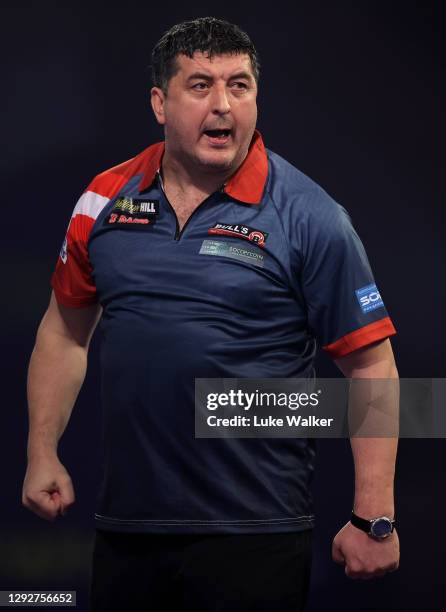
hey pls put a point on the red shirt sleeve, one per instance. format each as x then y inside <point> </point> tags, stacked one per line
<point>72,278</point>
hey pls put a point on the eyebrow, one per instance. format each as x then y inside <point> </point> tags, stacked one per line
<point>208,77</point>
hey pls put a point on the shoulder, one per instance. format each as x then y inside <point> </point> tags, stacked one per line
<point>111,181</point>
<point>106,185</point>
<point>296,194</point>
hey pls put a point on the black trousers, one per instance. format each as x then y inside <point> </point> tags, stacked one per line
<point>200,573</point>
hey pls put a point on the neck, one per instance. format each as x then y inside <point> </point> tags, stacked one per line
<point>186,177</point>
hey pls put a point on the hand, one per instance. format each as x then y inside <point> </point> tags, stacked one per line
<point>47,488</point>
<point>363,556</point>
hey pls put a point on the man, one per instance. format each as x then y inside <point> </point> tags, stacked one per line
<point>206,255</point>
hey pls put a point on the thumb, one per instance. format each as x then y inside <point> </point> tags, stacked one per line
<point>66,495</point>
<point>45,504</point>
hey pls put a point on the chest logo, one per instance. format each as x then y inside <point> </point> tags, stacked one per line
<point>255,236</point>
<point>132,212</point>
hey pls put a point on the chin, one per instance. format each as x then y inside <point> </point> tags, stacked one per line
<point>214,165</point>
<point>217,162</point>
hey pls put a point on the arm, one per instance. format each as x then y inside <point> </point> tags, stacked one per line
<point>56,372</point>
<point>374,460</point>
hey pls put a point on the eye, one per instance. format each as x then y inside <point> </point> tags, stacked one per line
<point>240,85</point>
<point>199,86</point>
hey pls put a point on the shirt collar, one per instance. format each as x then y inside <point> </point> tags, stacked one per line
<point>246,184</point>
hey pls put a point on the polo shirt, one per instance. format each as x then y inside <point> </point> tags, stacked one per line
<point>265,270</point>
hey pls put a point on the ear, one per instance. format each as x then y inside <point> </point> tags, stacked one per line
<point>157,99</point>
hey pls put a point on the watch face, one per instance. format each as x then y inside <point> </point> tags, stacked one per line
<point>381,528</point>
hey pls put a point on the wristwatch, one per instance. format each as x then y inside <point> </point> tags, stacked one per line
<point>378,528</point>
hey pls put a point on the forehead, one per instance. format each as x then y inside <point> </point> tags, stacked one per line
<point>219,66</point>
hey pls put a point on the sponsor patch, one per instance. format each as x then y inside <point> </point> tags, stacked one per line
<point>63,251</point>
<point>132,213</point>
<point>369,298</point>
<point>256,236</point>
<point>225,249</point>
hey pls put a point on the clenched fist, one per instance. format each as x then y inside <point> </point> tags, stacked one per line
<point>47,488</point>
<point>363,556</point>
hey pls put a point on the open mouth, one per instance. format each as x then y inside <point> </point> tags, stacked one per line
<point>220,134</point>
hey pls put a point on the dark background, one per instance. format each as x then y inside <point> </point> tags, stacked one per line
<point>350,93</point>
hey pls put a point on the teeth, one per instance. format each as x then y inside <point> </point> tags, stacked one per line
<point>217,133</point>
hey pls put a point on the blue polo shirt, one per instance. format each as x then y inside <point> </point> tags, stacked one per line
<point>266,269</point>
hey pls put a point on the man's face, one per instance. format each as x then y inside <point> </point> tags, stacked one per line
<point>203,96</point>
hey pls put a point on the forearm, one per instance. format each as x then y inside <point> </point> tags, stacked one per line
<point>374,425</point>
<point>56,372</point>
<point>374,460</point>
<point>375,449</point>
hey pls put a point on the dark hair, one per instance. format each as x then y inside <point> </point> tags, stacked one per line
<point>206,34</point>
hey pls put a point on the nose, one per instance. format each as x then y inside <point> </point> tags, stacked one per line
<point>219,100</point>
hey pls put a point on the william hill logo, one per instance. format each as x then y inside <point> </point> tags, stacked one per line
<point>132,212</point>
<point>132,206</point>
<point>255,236</point>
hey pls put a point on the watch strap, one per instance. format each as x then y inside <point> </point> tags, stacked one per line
<point>360,523</point>
<point>366,524</point>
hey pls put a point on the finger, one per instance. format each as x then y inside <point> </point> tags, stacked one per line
<point>357,572</point>
<point>58,504</point>
<point>42,508</point>
<point>371,575</point>
<point>336,555</point>
<point>67,497</point>
<point>387,570</point>
<point>380,573</point>
<point>354,574</point>
<point>367,575</point>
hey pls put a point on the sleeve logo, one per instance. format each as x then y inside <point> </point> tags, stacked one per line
<point>369,298</point>
<point>64,251</point>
